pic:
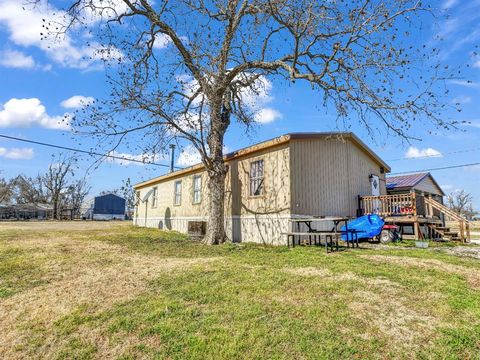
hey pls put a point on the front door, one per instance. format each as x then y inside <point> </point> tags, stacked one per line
<point>375,185</point>
<point>375,182</point>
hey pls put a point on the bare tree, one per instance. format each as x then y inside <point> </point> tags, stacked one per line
<point>7,189</point>
<point>56,181</point>
<point>128,193</point>
<point>76,194</point>
<point>223,53</point>
<point>30,190</point>
<point>461,202</point>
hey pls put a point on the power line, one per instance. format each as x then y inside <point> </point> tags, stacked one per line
<point>91,153</point>
<point>436,169</point>
<point>436,155</point>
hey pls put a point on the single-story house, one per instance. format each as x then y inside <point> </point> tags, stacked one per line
<point>29,211</point>
<point>294,175</point>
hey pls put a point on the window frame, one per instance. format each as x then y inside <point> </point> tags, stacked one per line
<point>154,197</point>
<point>257,178</point>
<point>175,194</point>
<point>194,190</point>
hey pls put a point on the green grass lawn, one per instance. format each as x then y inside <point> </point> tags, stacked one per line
<point>115,291</point>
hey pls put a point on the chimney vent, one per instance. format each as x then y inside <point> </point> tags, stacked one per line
<point>172,157</point>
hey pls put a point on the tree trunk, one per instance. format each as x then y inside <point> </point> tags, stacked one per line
<point>216,220</point>
<point>217,171</point>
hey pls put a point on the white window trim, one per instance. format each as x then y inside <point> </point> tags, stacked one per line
<point>175,193</point>
<point>195,190</point>
<point>262,178</point>
<point>155,197</point>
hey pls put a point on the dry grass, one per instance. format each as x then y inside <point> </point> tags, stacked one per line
<point>77,273</point>
<point>108,290</point>
<point>472,276</point>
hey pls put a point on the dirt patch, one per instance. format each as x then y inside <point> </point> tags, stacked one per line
<point>470,274</point>
<point>78,273</point>
<point>308,271</point>
<point>380,303</point>
<point>464,251</point>
<point>402,325</point>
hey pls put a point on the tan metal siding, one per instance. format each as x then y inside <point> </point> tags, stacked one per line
<point>276,198</point>
<point>428,185</point>
<point>328,175</point>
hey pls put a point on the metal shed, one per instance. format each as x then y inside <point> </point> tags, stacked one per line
<point>108,207</point>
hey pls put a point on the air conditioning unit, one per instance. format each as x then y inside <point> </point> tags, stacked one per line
<point>197,229</point>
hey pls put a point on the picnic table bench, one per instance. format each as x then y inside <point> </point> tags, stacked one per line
<point>331,236</point>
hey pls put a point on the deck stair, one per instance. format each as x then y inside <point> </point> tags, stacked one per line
<point>442,233</point>
<point>464,225</point>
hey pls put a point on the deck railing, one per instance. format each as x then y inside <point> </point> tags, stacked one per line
<point>389,205</point>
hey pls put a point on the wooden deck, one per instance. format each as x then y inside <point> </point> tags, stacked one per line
<point>425,215</point>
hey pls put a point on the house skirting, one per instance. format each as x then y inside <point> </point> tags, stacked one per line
<point>264,229</point>
<point>108,216</point>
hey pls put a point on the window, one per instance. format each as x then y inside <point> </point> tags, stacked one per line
<point>256,178</point>
<point>154,197</point>
<point>197,189</point>
<point>178,192</point>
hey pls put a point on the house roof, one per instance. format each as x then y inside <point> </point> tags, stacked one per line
<point>272,143</point>
<point>108,194</point>
<point>409,181</point>
<point>401,181</point>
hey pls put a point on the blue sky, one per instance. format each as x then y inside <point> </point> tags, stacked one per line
<point>40,84</point>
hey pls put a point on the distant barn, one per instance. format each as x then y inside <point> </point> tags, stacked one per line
<point>106,207</point>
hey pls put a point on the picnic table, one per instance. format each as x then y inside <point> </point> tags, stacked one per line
<point>316,235</point>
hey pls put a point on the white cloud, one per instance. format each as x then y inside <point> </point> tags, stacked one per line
<point>30,112</point>
<point>448,4</point>
<point>414,152</point>
<point>17,153</point>
<point>95,10</point>
<point>267,115</point>
<point>16,59</point>
<point>462,99</point>
<point>474,123</point>
<point>476,63</point>
<point>161,41</point>
<point>77,101</point>
<point>257,98</point>
<point>465,83</point>
<point>25,25</point>
<point>189,156</point>
<point>144,158</point>
<point>254,99</point>
<point>446,187</point>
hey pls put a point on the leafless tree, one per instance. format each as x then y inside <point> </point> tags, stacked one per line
<point>75,195</point>
<point>128,193</point>
<point>461,202</point>
<point>7,188</point>
<point>55,181</point>
<point>30,190</point>
<point>359,57</point>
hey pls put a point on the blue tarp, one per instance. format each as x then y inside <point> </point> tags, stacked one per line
<point>367,227</point>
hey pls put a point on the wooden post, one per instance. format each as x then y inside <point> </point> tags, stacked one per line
<point>414,203</point>
<point>419,231</point>
<point>462,232</point>
<point>430,208</point>
<point>469,239</point>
